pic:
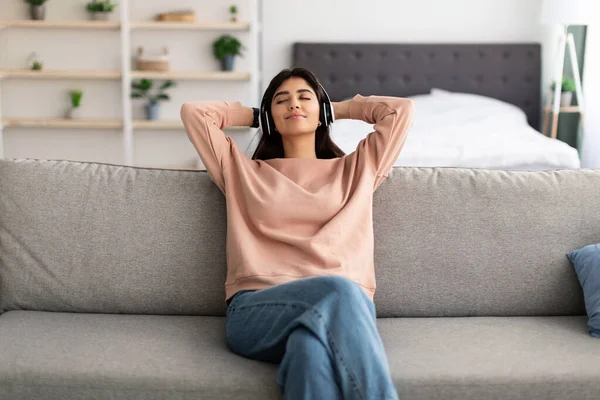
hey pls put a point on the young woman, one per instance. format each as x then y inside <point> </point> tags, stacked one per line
<point>300,274</point>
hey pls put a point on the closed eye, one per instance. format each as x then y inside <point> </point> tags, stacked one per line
<point>283,101</point>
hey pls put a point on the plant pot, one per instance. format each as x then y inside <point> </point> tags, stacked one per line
<point>152,111</point>
<point>566,98</point>
<point>100,16</point>
<point>227,62</point>
<point>73,113</point>
<point>37,13</point>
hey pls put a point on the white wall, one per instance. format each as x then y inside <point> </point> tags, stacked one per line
<point>435,21</point>
<point>590,154</point>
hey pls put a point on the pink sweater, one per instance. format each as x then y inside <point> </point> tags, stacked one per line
<point>290,218</point>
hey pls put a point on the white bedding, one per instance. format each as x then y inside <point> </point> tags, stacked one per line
<point>465,130</point>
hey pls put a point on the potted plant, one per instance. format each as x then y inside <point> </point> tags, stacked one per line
<point>76,96</point>
<point>233,11</point>
<point>100,9</point>
<point>37,9</point>
<point>225,48</point>
<point>34,63</point>
<point>567,89</point>
<point>142,91</point>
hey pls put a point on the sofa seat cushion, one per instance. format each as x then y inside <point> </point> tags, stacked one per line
<point>117,356</point>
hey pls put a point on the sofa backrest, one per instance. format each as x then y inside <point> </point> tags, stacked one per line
<point>91,237</point>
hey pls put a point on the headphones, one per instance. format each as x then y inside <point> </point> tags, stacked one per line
<point>326,116</point>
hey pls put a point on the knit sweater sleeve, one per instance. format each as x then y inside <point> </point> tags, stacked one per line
<point>204,123</point>
<point>392,118</point>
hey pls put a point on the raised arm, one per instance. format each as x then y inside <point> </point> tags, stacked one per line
<point>392,117</point>
<point>204,124</point>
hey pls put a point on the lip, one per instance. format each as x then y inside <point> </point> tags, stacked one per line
<point>296,116</point>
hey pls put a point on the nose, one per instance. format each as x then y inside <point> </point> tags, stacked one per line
<point>294,104</point>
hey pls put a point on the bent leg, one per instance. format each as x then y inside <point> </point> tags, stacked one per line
<point>335,310</point>
<point>307,371</point>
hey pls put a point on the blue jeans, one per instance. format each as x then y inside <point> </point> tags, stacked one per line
<point>322,332</point>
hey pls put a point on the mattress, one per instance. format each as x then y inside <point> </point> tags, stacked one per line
<point>467,130</point>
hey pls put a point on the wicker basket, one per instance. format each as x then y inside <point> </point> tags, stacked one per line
<point>177,16</point>
<point>152,64</point>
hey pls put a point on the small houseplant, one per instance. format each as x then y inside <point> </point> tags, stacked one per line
<point>233,11</point>
<point>76,96</point>
<point>37,9</point>
<point>100,9</point>
<point>567,88</point>
<point>225,48</point>
<point>34,63</point>
<point>142,91</point>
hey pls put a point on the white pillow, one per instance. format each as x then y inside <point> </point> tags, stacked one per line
<point>475,100</point>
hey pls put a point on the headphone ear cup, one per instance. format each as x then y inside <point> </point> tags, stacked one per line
<point>331,114</point>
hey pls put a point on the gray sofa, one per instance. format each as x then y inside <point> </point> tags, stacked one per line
<point>111,284</point>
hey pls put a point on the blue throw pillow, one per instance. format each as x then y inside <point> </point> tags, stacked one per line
<point>586,262</point>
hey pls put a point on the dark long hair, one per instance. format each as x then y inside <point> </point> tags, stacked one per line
<point>271,146</point>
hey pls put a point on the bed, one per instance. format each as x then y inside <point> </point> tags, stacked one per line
<point>477,105</point>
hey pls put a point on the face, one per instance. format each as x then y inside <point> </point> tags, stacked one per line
<point>295,107</point>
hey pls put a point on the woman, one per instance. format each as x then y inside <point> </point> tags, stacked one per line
<point>300,276</point>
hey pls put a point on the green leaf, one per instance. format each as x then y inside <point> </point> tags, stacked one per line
<point>163,96</point>
<point>137,95</point>
<point>167,85</point>
<point>226,44</point>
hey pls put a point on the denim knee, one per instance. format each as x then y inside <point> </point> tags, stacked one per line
<point>344,287</point>
<point>349,291</point>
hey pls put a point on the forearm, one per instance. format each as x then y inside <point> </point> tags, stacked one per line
<point>247,118</point>
<point>341,109</point>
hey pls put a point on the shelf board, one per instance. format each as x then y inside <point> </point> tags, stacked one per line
<point>49,24</point>
<point>171,125</point>
<point>209,26</point>
<point>62,123</point>
<point>97,123</point>
<point>59,74</point>
<point>199,75</point>
<point>568,109</point>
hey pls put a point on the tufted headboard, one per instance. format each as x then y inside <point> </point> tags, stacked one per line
<point>508,72</point>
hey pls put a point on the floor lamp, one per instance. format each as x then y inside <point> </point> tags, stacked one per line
<point>565,13</point>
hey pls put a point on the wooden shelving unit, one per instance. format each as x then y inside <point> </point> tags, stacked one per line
<point>548,112</point>
<point>62,123</point>
<point>58,74</point>
<point>205,26</point>
<point>569,109</point>
<point>96,124</point>
<point>49,24</point>
<point>195,75</point>
<point>124,26</point>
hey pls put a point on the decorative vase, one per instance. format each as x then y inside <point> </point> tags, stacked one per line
<point>566,98</point>
<point>37,13</point>
<point>100,16</point>
<point>73,113</point>
<point>152,111</point>
<point>227,62</point>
